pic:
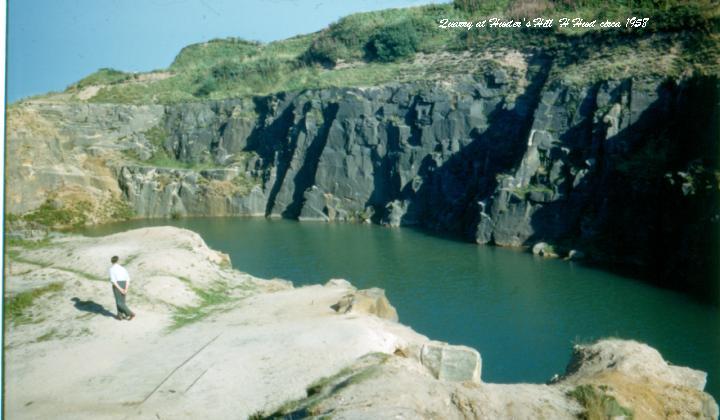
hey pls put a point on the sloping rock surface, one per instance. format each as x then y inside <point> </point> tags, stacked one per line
<point>212,342</point>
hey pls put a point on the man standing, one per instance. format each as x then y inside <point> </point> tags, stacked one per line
<point>120,280</point>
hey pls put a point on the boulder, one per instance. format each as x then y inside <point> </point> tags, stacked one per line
<point>632,359</point>
<point>394,211</point>
<point>543,249</point>
<point>451,363</point>
<point>368,301</point>
<point>575,255</point>
<point>339,283</point>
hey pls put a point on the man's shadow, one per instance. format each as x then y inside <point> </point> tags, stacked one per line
<point>92,307</point>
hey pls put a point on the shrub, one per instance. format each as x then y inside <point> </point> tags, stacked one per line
<point>256,74</point>
<point>267,68</point>
<point>51,215</point>
<point>206,54</point>
<point>479,6</point>
<point>205,86</point>
<point>393,43</point>
<point>324,51</point>
<point>226,71</point>
<point>104,76</point>
<point>684,17</point>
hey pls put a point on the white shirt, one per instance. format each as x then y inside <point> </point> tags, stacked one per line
<point>119,273</point>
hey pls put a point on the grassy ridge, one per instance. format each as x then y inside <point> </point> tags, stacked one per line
<point>16,307</point>
<point>378,47</point>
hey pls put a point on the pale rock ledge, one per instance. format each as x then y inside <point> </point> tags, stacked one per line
<point>212,342</point>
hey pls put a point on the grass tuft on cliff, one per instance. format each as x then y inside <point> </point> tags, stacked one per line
<point>51,214</point>
<point>211,301</point>
<point>365,368</point>
<point>406,44</point>
<point>104,76</point>
<point>597,404</point>
<point>16,307</point>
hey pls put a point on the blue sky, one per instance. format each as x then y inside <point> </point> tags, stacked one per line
<point>51,43</point>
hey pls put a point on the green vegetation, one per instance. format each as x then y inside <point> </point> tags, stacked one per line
<point>54,334</point>
<point>365,368</point>
<point>242,184</point>
<point>121,210</point>
<point>480,7</point>
<point>211,301</point>
<point>47,336</point>
<point>53,215</point>
<point>157,136</point>
<point>104,76</point>
<point>16,307</point>
<point>83,274</point>
<point>597,404</point>
<point>530,188</point>
<point>209,53</point>
<point>260,74</point>
<point>393,43</point>
<point>379,47</point>
<point>12,242</point>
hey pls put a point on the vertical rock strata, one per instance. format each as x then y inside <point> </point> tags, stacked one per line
<point>625,170</point>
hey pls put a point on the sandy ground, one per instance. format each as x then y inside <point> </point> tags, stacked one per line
<point>252,353</point>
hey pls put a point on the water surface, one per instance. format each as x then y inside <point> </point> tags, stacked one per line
<point>521,312</point>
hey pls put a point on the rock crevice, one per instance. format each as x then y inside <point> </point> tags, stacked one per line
<point>620,170</point>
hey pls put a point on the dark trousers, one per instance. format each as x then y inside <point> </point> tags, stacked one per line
<point>122,308</point>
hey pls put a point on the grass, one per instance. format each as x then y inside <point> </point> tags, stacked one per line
<point>680,37</point>
<point>16,307</point>
<point>157,137</point>
<point>365,368</point>
<point>83,274</point>
<point>47,336</point>
<point>530,188</point>
<point>54,334</point>
<point>13,247</point>
<point>210,302</point>
<point>597,404</point>
<point>104,76</point>
<point>13,253</point>
<point>48,214</point>
<point>121,210</point>
<point>28,244</point>
<point>16,257</point>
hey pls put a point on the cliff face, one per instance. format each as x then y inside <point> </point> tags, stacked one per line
<point>624,169</point>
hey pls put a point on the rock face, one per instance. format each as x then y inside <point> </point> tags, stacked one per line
<point>504,157</point>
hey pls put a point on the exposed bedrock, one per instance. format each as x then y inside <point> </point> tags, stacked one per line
<point>622,171</point>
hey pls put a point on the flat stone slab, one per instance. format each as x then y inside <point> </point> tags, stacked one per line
<point>451,363</point>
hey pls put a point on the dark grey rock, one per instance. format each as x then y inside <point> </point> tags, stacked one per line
<point>488,157</point>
